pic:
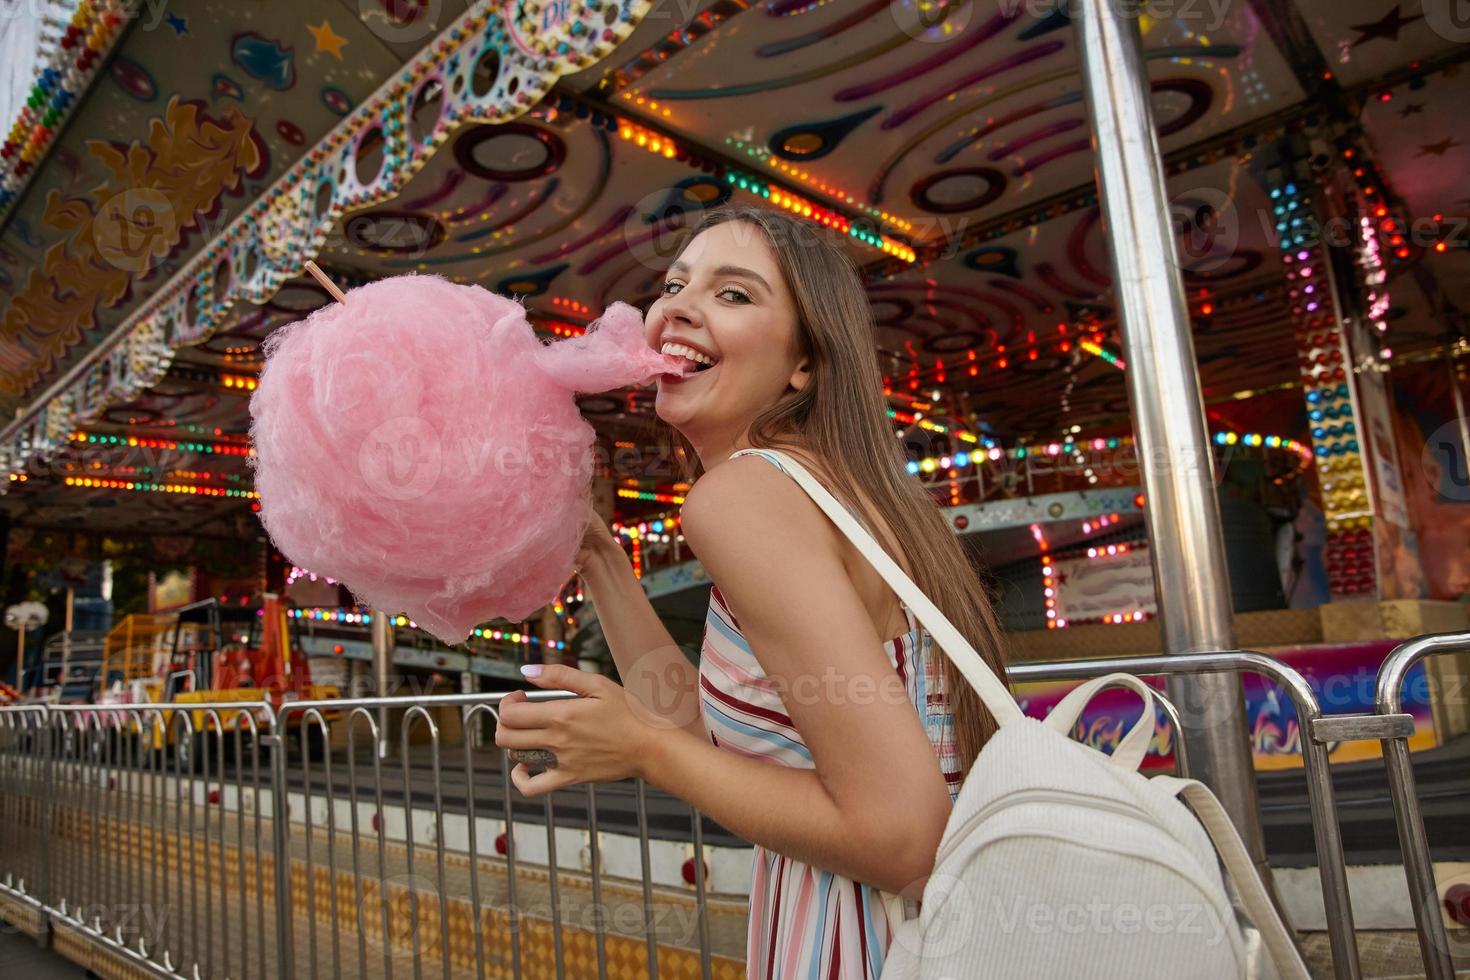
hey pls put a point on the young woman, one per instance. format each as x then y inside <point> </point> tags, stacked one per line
<point>821,723</point>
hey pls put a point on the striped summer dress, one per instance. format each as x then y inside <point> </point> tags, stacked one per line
<point>806,923</point>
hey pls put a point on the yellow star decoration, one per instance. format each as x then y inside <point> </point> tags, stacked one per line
<point>327,39</point>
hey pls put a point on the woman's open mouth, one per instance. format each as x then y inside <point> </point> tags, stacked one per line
<point>697,362</point>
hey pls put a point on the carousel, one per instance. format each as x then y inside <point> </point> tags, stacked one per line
<point>172,169</point>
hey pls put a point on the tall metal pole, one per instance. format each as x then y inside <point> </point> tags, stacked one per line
<point>382,624</point>
<point>1168,413</point>
<point>1459,407</point>
<point>67,623</point>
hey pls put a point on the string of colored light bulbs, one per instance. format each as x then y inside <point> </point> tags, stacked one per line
<point>1070,444</point>
<point>654,529</point>
<point>208,447</point>
<point>95,25</point>
<point>353,617</point>
<point>662,145</point>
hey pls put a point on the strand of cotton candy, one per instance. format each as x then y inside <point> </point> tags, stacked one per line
<point>420,445</point>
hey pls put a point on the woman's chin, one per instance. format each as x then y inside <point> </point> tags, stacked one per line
<point>673,406</point>
<point>676,407</point>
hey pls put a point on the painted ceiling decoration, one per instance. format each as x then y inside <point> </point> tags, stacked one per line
<point>556,152</point>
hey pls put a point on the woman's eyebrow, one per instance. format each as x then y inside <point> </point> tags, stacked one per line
<point>726,270</point>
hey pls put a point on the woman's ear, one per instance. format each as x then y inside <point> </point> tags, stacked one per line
<point>801,375</point>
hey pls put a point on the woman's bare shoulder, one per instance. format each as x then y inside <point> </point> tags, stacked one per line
<point>748,496</point>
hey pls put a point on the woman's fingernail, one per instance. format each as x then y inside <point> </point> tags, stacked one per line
<point>531,670</point>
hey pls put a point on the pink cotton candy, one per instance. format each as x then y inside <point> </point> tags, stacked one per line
<point>419,444</point>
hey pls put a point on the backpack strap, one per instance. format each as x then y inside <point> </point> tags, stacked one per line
<point>1242,872</point>
<point>1134,745</point>
<point>992,691</point>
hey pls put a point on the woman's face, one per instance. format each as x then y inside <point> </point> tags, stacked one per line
<point>725,305</point>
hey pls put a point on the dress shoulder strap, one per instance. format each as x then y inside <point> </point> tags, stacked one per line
<point>764,454</point>
<point>775,460</point>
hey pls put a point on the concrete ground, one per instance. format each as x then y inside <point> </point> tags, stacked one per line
<point>21,957</point>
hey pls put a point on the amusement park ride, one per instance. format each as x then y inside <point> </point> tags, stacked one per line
<point>1313,181</point>
<point>165,183</point>
<point>205,653</point>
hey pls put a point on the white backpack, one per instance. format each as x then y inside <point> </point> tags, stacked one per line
<point>1060,861</point>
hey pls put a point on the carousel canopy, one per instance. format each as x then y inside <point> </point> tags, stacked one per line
<point>172,168</point>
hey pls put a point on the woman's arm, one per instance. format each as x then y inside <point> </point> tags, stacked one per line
<point>790,811</point>
<point>650,664</point>
<point>876,804</point>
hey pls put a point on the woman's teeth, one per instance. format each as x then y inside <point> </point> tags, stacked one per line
<point>701,362</point>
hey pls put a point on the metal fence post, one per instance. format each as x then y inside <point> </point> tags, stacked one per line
<point>1413,841</point>
<point>281,845</point>
<point>1183,515</point>
<point>48,801</point>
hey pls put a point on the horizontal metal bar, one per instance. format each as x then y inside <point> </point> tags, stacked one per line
<point>1360,728</point>
<point>426,701</point>
<point>1396,665</point>
<point>143,708</point>
<point>1216,662</point>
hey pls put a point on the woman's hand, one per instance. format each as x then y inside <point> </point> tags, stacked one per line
<point>602,735</point>
<point>597,539</point>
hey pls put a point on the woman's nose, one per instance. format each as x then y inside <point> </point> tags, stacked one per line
<point>679,310</point>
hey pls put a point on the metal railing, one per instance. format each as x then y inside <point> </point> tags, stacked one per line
<point>234,839</point>
<point>1326,834</point>
<point>1413,841</point>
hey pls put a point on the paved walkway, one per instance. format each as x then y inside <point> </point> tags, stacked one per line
<point>21,957</point>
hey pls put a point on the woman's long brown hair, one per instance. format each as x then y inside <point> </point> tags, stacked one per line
<point>840,418</point>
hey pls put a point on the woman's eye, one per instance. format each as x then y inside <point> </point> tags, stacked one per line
<point>672,287</point>
<point>736,296</point>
